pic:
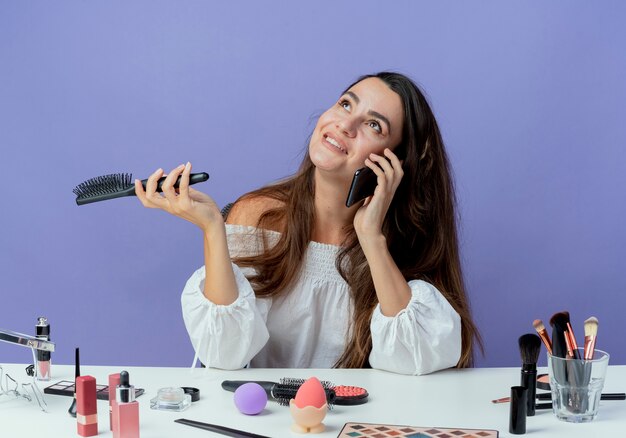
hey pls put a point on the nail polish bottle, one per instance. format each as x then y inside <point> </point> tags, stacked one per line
<point>126,409</point>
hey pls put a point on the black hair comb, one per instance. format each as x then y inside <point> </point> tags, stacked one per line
<point>118,185</point>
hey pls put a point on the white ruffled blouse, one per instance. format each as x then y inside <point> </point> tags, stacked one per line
<point>307,327</point>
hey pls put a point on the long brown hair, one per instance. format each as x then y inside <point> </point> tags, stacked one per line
<point>420,228</point>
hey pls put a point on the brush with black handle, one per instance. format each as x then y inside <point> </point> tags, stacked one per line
<point>529,348</point>
<point>559,323</point>
<point>572,374</point>
<point>118,185</point>
<point>560,371</point>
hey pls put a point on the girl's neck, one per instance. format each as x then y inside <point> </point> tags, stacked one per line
<point>332,217</point>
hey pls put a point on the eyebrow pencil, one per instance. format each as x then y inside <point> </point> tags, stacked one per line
<point>72,409</point>
<point>548,396</point>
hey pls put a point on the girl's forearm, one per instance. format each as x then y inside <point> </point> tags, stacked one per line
<point>220,286</point>
<point>392,289</point>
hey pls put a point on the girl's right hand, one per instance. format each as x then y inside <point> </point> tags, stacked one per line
<point>185,202</point>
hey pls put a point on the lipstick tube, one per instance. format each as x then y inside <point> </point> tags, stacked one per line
<point>86,406</point>
<point>126,410</point>
<point>114,381</point>
<point>43,365</point>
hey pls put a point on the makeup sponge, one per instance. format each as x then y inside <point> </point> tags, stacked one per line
<point>311,393</point>
<point>309,407</point>
<point>250,398</point>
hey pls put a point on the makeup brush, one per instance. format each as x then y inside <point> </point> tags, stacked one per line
<point>72,409</point>
<point>559,327</point>
<point>529,348</point>
<point>572,339</point>
<point>117,185</point>
<point>591,331</point>
<point>543,334</point>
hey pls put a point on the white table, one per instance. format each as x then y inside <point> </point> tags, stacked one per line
<point>452,398</point>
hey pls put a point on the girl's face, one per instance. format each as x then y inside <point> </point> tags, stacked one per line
<point>366,119</point>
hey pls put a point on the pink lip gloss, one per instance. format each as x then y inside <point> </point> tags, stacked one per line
<point>126,410</point>
<point>42,367</point>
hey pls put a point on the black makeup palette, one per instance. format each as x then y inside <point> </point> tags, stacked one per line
<point>67,388</point>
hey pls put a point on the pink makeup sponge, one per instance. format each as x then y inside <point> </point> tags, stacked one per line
<point>250,398</point>
<point>311,393</point>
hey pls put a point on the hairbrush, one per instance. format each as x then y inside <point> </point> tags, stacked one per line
<point>118,185</point>
<point>287,388</point>
<point>344,395</point>
<point>280,392</point>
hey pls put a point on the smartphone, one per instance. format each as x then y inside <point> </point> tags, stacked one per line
<point>363,185</point>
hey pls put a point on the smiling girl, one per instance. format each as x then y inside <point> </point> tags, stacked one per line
<point>294,278</point>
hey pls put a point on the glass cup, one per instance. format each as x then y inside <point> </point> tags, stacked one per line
<point>577,385</point>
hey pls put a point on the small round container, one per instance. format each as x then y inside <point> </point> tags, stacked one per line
<point>171,399</point>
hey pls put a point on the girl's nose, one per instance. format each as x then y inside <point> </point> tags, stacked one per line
<point>347,126</point>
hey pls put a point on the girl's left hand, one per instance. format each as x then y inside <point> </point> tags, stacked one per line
<point>369,217</point>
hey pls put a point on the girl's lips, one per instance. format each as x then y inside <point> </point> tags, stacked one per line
<point>332,143</point>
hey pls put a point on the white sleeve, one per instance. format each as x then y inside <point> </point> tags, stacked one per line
<point>422,338</point>
<point>226,337</point>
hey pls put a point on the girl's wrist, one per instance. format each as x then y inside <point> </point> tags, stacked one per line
<point>373,242</point>
<point>214,229</point>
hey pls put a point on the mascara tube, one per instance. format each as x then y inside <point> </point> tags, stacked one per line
<point>529,381</point>
<point>43,365</point>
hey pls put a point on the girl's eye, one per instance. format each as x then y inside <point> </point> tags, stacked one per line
<point>375,126</point>
<point>345,105</point>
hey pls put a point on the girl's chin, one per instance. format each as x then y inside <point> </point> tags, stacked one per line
<point>324,163</point>
<point>328,167</point>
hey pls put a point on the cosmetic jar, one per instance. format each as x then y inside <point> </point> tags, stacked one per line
<point>171,399</point>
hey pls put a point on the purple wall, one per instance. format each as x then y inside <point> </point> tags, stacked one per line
<point>530,97</point>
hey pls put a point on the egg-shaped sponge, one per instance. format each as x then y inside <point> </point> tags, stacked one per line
<point>311,393</point>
